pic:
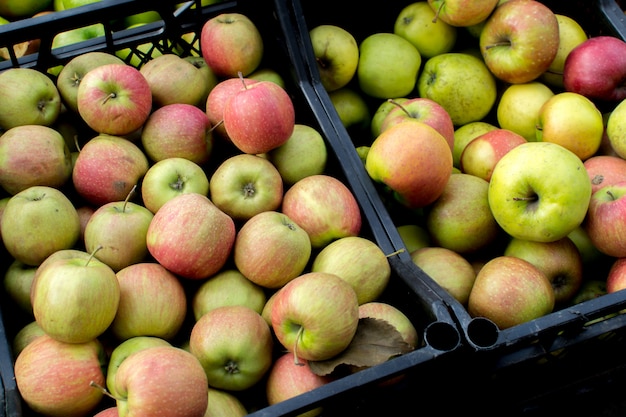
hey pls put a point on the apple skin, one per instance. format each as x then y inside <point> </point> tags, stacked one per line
<point>27,97</point>
<point>413,236</point>
<point>315,316</point>
<point>54,377</point>
<point>227,287</point>
<point>108,412</point>
<point>21,9</point>
<point>234,345</point>
<point>571,34</point>
<point>605,220</point>
<point>462,13</point>
<point>461,219</point>
<point>447,268</point>
<point>17,281</point>
<point>107,168</point>
<point>246,118</point>
<point>465,134</point>
<point>594,69</point>
<point>288,379</point>
<point>37,222</point>
<point>33,155</point>
<point>615,130</point>
<point>178,130</point>
<point>162,380</point>
<point>114,99</point>
<point>351,107</point>
<point>231,43</point>
<point>616,278</point>
<point>244,185</point>
<point>190,236</point>
<point>271,249</point>
<point>224,404</point>
<point>170,177</point>
<point>152,302</point>
<point>573,121</point>
<point>358,261</point>
<point>381,112</point>
<point>519,40</point>
<point>336,54</point>
<point>519,106</point>
<point>546,197</point>
<point>510,291</point>
<point>413,160</point>
<point>560,261</point>
<point>24,336</point>
<point>324,207</point>
<point>480,156</point>
<point>173,79</point>
<point>605,170</point>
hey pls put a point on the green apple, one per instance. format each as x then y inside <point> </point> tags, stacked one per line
<point>519,105</point>
<point>571,34</point>
<point>414,236</point>
<point>461,83</point>
<point>69,4</point>
<point>539,191</point>
<point>351,108</point>
<point>416,23</point>
<point>234,345</point>
<point>267,74</point>
<point>225,404</point>
<point>388,65</point>
<point>464,134</point>
<point>74,36</point>
<point>588,251</point>
<point>17,281</point>
<point>462,13</point>
<point>336,54</point>
<point>572,121</point>
<point>143,17</point>
<point>210,78</point>
<point>17,9</point>
<point>616,129</point>
<point>460,219</point>
<point>381,112</point>
<point>24,336</point>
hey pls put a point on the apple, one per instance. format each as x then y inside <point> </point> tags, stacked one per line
<point>519,40</point>
<point>589,253</point>
<point>615,130</point>
<point>287,379</point>
<point>17,281</point>
<point>37,222</point>
<point>268,74</point>
<point>152,302</point>
<point>24,336</point>
<point>324,207</point>
<point>460,219</point>
<point>75,300</point>
<point>605,170</point>
<point>259,117</point>
<point>53,377</point>
<point>72,73</point>
<point>388,65</point>
<point>72,37</point>
<point>381,112</point>
<point>381,310</point>
<point>413,236</point>
<point>234,345</point>
<point>169,177</point>
<point>22,9</point>
<point>161,379</point>
<point>336,54</point>
<point>224,404</point>
<point>217,99</point>
<point>510,291</point>
<point>210,79</point>
<point>519,106</point>
<point>178,130</point>
<point>271,249</point>
<point>573,121</point>
<point>615,279</point>
<point>604,221</point>
<point>315,316</point>
<point>571,34</point>
<point>425,110</point>
<point>107,168</point>
<point>417,23</point>
<point>33,155</point>
<point>149,16</point>
<point>447,268</point>
<point>244,185</point>
<point>358,261</point>
<point>190,236</point>
<point>27,97</point>
<point>119,230</point>
<point>539,191</point>
<point>480,156</point>
<point>461,83</point>
<point>413,159</point>
<point>462,13</point>
<point>227,287</point>
<point>351,107</point>
<point>70,4</point>
<point>108,412</point>
<point>594,69</point>
<point>305,153</point>
<point>231,43</point>
<point>560,261</point>
<point>114,99</point>
<point>173,79</point>
<point>465,134</point>
<point>123,350</point>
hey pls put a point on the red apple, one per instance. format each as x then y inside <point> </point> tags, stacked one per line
<point>616,278</point>
<point>108,412</point>
<point>605,222</point>
<point>605,170</point>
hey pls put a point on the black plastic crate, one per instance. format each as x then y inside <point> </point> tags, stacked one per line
<point>425,307</point>
<point>583,339</point>
<point>612,15</point>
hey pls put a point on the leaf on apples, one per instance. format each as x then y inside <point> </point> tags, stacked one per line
<point>374,342</point>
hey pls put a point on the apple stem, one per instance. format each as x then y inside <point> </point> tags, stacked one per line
<point>296,361</point>
<point>107,98</point>
<point>93,254</point>
<point>131,192</point>
<point>397,252</point>
<point>503,43</point>
<point>76,143</point>
<point>101,388</point>
<point>395,103</point>
<point>243,81</point>
<point>216,125</point>
<point>611,195</point>
<point>437,12</point>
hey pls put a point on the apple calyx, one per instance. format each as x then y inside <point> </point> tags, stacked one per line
<point>94,384</point>
<point>296,361</point>
<point>231,367</point>
<point>75,79</point>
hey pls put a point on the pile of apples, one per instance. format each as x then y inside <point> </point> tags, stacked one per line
<point>175,238</point>
<point>495,134</point>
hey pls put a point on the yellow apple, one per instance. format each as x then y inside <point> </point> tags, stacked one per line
<point>519,107</point>
<point>571,34</point>
<point>465,134</point>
